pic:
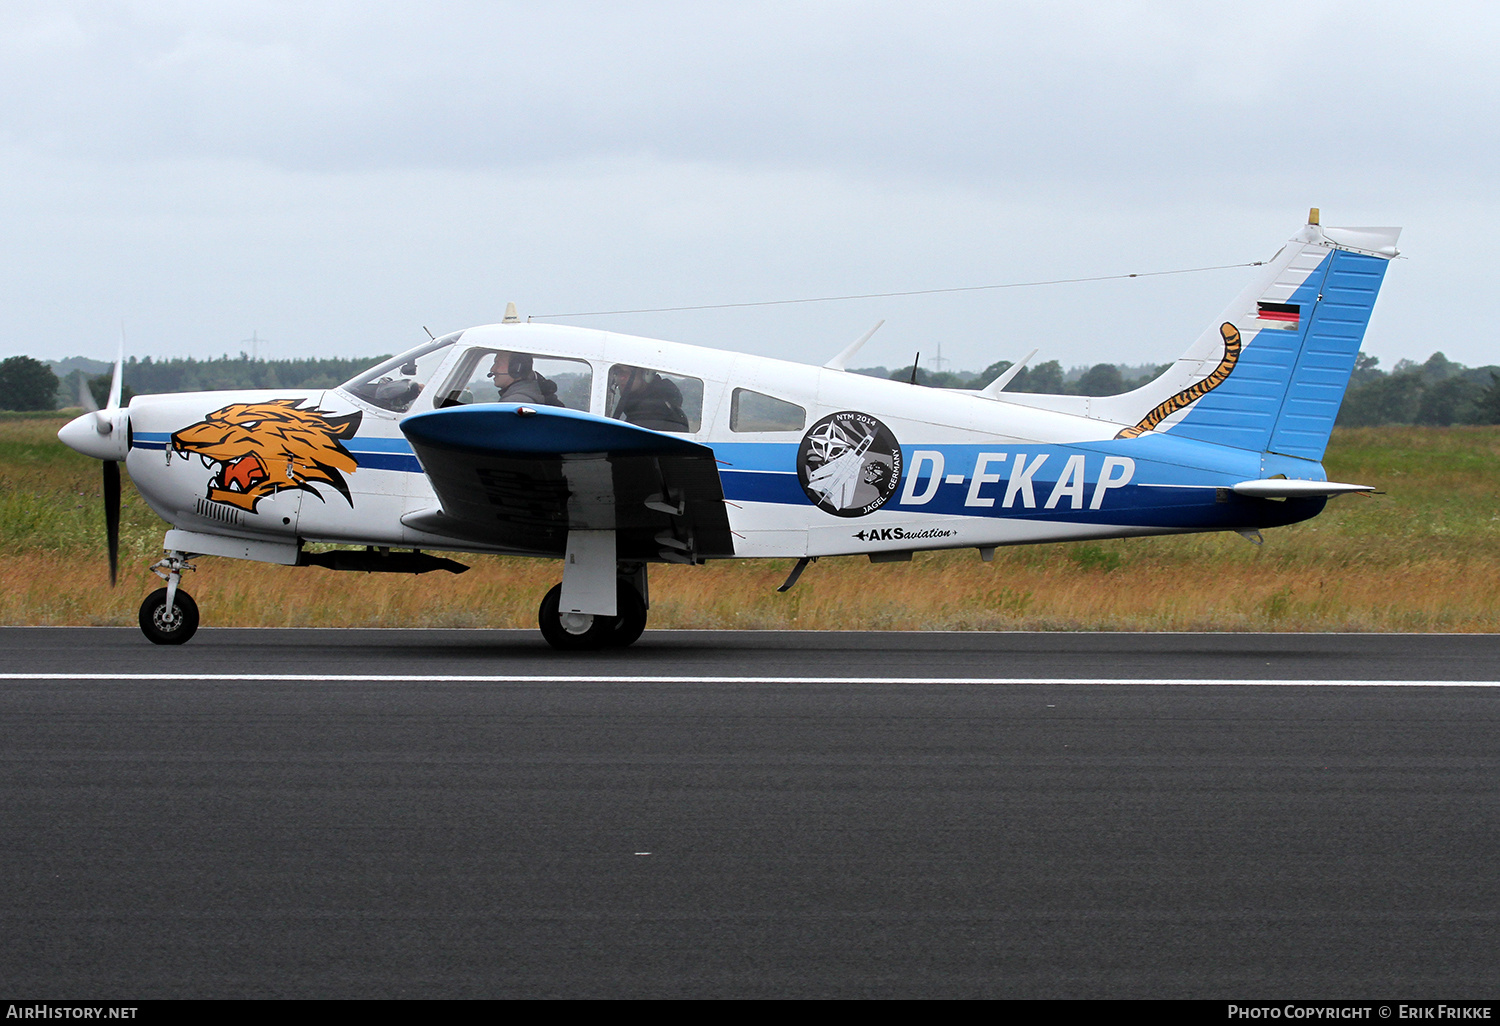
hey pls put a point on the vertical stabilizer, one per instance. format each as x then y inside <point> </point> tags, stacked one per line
<point>1270,373</point>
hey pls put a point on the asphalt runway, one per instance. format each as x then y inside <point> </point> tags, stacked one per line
<point>466,814</point>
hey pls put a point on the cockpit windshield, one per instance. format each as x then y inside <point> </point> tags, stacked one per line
<point>395,384</point>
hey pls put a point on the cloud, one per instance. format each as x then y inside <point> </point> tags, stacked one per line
<point>982,92</point>
<point>335,175</point>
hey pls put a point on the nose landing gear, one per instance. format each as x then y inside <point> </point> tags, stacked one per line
<point>169,625</point>
<point>169,616</point>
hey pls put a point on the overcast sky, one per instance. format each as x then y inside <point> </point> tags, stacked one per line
<point>334,176</point>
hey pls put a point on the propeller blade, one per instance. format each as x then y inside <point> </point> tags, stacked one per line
<point>117,383</point>
<point>112,516</point>
<point>85,397</point>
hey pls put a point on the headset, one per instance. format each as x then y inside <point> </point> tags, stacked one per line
<point>518,366</point>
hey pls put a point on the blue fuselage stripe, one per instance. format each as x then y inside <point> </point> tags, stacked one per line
<point>1171,482</point>
<point>404,462</point>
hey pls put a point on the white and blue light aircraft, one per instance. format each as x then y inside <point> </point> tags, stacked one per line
<point>613,452</point>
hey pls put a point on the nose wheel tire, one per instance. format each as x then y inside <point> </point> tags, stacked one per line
<point>582,632</point>
<point>169,627</point>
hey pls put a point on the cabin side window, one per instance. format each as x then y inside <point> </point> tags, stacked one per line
<point>756,411</point>
<point>509,376</point>
<point>654,399</point>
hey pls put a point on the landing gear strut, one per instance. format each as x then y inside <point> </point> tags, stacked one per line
<point>580,632</point>
<point>169,616</point>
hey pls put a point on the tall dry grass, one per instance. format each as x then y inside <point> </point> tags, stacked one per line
<point>1423,557</point>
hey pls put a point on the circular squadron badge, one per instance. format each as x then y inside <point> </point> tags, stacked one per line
<point>849,464</point>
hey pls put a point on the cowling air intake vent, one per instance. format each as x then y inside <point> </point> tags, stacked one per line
<point>218,511</point>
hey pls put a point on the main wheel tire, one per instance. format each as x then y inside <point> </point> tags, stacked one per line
<point>584,632</point>
<point>572,632</point>
<point>632,619</point>
<point>169,627</point>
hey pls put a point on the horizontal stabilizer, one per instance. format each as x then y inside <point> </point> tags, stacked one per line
<point>1281,488</point>
<point>522,477</point>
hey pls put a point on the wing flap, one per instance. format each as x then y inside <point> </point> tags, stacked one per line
<point>522,477</point>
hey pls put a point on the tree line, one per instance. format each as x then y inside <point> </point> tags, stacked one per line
<point>28,384</point>
<point>1437,392</point>
<point>1048,378</point>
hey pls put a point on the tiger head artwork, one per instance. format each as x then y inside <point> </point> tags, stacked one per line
<point>259,449</point>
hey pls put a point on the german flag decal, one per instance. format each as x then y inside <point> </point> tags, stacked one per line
<point>1281,315</point>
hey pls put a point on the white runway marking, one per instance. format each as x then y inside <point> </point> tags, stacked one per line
<point>446,678</point>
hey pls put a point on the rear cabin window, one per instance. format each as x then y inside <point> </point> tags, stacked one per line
<point>755,411</point>
<point>654,399</point>
<point>512,376</point>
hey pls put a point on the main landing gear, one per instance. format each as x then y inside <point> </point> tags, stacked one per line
<point>601,602</point>
<point>580,632</point>
<point>588,619</point>
<point>169,616</point>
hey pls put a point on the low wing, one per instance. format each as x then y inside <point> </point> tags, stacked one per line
<point>522,477</point>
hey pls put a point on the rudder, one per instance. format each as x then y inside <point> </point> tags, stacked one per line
<point>1328,354</point>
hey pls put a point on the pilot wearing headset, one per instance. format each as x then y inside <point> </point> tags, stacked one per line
<point>517,382</point>
<point>514,378</point>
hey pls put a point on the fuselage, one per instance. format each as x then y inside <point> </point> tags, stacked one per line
<point>812,461</point>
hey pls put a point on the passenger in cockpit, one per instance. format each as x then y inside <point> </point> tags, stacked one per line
<point>645,398</point>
